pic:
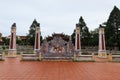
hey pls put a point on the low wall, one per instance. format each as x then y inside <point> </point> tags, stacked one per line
<point>1,57</point>
<point>85,58</point>
<point>30,57</point>
<point>115,57</point>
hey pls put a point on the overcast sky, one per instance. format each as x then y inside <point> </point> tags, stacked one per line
<point>53,15</point>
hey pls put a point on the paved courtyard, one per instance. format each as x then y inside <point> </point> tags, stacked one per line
<point>14,69</point>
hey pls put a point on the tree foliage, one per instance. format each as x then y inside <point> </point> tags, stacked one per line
<point>31,35</point>
<point>0,37</point>
<point>84,32</point>
<point>94,37</point>
<point>112,31</point>
<point>85,35</point>
<point>112,28</point>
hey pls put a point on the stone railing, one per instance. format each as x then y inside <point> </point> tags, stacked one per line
<point>30,56</point>
<point>85,57</point>
<point>1,57</point>
<point>56,58</point>
<point>114,57</point>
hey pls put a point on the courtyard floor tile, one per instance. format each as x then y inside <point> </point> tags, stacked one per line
<point>14,69</point>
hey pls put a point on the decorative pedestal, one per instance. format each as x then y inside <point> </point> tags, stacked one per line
<point>110,57</point>
<point>74,57</point>
<point>40,56</point>
<point>102,54</point>
<point>12,53</point>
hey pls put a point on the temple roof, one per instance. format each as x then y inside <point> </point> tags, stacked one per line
<point>63,36</point>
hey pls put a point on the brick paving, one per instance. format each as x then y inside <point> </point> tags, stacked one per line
<point>14,69</point>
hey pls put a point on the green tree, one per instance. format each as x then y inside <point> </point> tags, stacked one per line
<point>84,31</point>
<point>73,37</point>
<point>94,37</point>
<point>85,35</point>
<point>18,41</point>
<point>0,37</point>
<point>6,40</point>
<point>31,35</point>
<point>112,33</point>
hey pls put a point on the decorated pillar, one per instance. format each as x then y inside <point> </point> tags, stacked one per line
<point>37,40</point>
<point>12,44</point>
<point>102,47</point>
<point>78,40</point>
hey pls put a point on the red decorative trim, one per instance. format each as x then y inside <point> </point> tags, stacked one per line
<point>37,41</point>
<point>102,42</point>
<point>78,46</point>
<point>11,43</point>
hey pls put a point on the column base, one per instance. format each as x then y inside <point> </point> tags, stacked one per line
<point>80,53</point>
<point>102,55</point>
<point>12,53</point>
<point>40,56</point>
<point>74,57</point>
<point>110,57</point>
<point>37,51</point>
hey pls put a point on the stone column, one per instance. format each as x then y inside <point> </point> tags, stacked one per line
<point>78,40</point>
<point>12,44</point>
<point>102,47</point>
<point>37,40</point>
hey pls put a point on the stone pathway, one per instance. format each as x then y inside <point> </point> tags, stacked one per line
<point>14,69</point>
